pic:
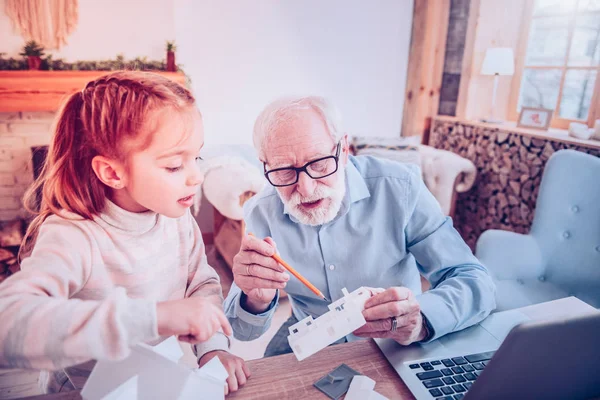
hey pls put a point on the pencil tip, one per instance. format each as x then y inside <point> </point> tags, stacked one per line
<point>326,299</point>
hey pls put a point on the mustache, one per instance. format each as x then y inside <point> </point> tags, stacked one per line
<point>321,192</point>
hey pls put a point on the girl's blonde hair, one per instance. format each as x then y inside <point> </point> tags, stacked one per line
<point>102,119</point>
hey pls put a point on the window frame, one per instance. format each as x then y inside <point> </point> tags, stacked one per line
<point>557,121</point>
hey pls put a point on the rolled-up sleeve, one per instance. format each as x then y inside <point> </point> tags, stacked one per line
<point>247,326</point>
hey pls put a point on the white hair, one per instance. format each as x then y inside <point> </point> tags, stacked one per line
<point>283,110</point>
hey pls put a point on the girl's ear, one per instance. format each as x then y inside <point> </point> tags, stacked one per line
<point>110,172</point>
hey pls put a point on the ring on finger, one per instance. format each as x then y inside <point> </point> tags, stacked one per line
<point>394,324</point>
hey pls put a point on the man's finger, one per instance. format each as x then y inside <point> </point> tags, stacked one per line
<point>247,283</point>
<point>391,309</point>
<point>375,326</point>
<point>389,295</point>
<point>270,240</point>
<point>377,335</point>
<point>258,271</point>
<point>250,242</point>
<point>254,258</point>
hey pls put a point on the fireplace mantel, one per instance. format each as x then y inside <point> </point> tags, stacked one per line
<point>45,90</point>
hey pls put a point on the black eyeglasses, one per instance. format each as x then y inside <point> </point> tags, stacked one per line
<point>316,169</point>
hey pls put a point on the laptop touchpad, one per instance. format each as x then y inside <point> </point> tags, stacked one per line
<point>500,324</point>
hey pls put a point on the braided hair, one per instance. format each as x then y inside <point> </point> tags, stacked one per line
<point>111,116</point>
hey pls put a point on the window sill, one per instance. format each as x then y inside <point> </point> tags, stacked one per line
<point>558,135</point>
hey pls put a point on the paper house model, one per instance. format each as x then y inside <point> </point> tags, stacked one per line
<point>362,388</point>
<point>344,316</point>
<point>153,373</point>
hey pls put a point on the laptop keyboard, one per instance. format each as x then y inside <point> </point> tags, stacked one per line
<point>451,378</point>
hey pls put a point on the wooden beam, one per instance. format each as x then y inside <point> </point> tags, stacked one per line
<point>467,61</point>
<point>594,111</point>
<point>46,90</point>
<point>515,86</point>
<point>425,65</point>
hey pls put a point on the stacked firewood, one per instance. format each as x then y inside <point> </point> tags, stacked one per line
<point>510,167</point>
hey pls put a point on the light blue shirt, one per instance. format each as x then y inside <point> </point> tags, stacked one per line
<point>390,229</point>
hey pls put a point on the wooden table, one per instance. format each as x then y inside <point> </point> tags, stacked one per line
<point>283,377</point>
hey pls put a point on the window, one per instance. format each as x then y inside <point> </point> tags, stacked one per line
<point>560,60</point>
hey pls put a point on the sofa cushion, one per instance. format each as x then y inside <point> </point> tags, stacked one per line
<point>402,149</point>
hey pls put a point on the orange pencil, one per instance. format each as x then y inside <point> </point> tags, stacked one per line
<point>297,275</point>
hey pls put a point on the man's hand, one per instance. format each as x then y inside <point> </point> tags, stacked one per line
<point>257,274</point>
<point>235,366</point>
<point>193,319</point>
<point>398,302</point>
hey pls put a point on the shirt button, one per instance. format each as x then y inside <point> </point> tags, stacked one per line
<point>567,234</point>
<point>542,278</point>
<point>575,209</point>
<point>331,267</point>
<point>598,248</point>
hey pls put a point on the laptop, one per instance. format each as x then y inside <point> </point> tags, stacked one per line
<point>506,356</point>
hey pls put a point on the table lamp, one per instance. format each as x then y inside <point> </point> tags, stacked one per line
<point>498,61</point>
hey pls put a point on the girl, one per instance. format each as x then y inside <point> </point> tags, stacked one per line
<point>114,257</point>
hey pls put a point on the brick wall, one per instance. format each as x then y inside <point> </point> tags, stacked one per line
<point>19,131</point>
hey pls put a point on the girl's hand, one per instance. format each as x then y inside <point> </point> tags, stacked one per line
<point>235,366</point>
<point>192,320</point>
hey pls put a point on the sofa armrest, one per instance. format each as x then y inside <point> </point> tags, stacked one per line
<point>509,255</point>
<point>446,173</point>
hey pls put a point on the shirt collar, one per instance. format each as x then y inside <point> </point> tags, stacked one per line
<point>356,186</point>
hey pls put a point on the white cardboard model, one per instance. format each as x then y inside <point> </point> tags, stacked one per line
<point>153,373</point>
<point>344,316</point>
<point>362,388</point>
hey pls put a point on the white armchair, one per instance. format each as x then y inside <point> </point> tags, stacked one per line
<point>446,174</point>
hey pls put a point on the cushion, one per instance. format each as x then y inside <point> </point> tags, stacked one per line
<point>402,149</point>
<point>226,179</point>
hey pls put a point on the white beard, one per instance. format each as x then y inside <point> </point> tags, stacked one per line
<point>322,214</point>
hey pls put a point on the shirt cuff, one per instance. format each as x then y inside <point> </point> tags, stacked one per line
<point>219,341</point>
<point>439,317</point>
<point>430,332</point>
<point>255,319</point>
<point>139,318</point>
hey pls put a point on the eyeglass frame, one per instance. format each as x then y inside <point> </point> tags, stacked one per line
<point>336,157</point>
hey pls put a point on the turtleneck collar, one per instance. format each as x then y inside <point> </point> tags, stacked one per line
<point>128,221</point>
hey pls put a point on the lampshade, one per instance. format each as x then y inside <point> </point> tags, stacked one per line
<point>498,60</point>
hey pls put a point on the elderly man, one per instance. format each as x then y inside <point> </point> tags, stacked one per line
<point>345,221</point>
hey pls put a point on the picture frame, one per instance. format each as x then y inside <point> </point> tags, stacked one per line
<point>535,118</point>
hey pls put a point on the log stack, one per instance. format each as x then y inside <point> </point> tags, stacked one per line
<point>510,166</point>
